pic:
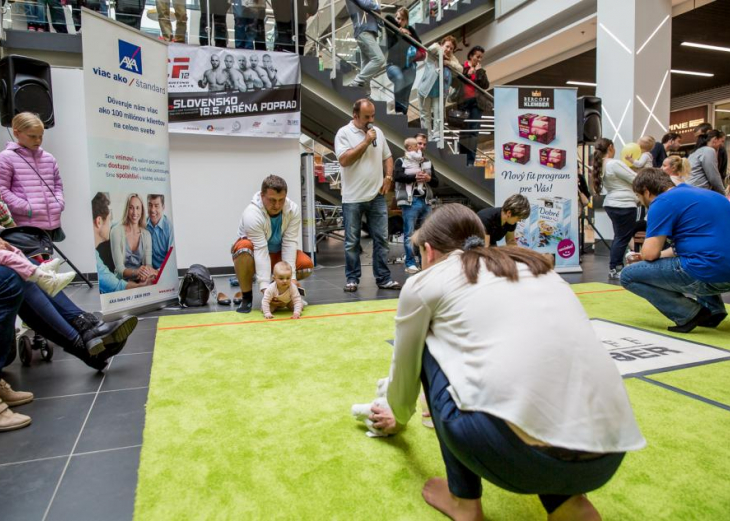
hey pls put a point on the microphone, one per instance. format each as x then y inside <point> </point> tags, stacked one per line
<point>375,141</point>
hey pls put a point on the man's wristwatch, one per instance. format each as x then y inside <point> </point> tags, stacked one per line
<point>389,177</point>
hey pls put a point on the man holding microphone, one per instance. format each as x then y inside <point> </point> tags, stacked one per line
<point>367,174</point>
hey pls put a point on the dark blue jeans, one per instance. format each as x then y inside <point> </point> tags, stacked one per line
<point>248,28</point>
<point>11,297</point>
<point>49,317</point>
<point>664,283</point>
<point>468,140</point>
<point>624,227</point>
<point>403,80</point>
<point>477,445</point>
<point>413,215</point>
<point>376,213</point>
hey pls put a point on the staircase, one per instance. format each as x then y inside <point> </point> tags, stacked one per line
<point>327,106</point>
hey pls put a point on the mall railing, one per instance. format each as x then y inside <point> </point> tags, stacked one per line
<point>338,42</point>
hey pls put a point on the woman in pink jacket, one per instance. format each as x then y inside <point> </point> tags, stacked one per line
<point>30,183</point>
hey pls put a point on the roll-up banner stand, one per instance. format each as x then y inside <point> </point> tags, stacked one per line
<point>125,86</point>
<point>536,155</point>
<point>309,199</point>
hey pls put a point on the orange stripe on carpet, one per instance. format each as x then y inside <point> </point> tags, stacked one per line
<point>278,320</point>
<point>601,291</point>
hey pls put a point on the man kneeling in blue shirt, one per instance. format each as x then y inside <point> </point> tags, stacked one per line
<point>695,220</point>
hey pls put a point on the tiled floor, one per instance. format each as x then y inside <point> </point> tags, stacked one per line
<point>78,460</point>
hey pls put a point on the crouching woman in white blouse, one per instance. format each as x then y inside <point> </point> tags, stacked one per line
<point>521,391</point>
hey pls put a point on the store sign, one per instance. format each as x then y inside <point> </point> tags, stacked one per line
<point>639,352</point>
<point>684,122</point>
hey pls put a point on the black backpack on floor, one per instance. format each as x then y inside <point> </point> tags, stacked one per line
<point>196,287</point>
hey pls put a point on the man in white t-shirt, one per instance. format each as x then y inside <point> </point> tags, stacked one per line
<point>367,173</point>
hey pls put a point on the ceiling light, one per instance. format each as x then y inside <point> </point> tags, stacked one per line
<point>708,47</point>
<point>693,73</point>
<point>580,83</point>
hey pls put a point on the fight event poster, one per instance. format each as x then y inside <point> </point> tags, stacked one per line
<point>125,94</point>
<point>235,92</point>
<point>536,155</point>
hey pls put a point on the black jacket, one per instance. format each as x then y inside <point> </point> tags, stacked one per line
<point>402,179</point>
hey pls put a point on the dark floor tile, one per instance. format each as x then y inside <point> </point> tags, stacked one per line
<point>98,486</point>
<point>55,378</point>
<point>128,372</point>
<point>116,420</point>
<point>141,341</point>
<point>26,488</point>
<point>56,424</point>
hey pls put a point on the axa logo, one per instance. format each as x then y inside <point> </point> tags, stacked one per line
<point>130,57</point>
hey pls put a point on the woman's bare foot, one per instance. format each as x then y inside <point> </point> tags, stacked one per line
<point>577,508</point>
<point>436,493</point>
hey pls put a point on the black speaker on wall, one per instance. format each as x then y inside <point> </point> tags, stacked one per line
<point>25,86</point>
<point>589,119</point>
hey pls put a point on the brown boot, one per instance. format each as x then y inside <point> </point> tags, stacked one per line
<point>9,420</point>
<point>13,398</point>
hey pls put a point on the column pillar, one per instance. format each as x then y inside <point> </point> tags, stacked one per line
<point>633,62</point>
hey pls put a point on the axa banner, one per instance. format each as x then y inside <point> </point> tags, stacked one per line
<point>125,90</point>
<point>233,92</point>
<point>536,156</point>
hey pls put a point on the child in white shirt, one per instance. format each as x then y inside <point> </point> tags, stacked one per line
<point>646,160</point>
<point>414,163</point>
<point>282,293</point>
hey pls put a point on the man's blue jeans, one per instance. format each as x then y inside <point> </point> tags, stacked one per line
<point>11,297</point>
<point>248,27</point>
<point>664,283</point>
<point>477,445</point>
<point>413,215</point>
<point>376,213</point>
<point>403,80</point>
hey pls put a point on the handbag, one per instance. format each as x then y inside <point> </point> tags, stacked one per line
<point>414,55</point>
<point>457,118</point>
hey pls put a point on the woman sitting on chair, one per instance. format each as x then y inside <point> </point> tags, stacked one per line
<point>131,243</point>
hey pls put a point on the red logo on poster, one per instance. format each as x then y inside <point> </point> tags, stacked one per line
<point>180,65</point>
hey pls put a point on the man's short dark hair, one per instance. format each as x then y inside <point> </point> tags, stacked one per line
<point>671,136</point>
<point>358,105</point>
<point>161,197</point>
<point>653,180</point>
<point>275,183</point>
<point>100,206</point>
<point>517,205</point>
<point>421,134</point>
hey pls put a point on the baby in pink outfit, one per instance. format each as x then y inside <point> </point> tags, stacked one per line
<point>282,293</point>
<point>44,275</point>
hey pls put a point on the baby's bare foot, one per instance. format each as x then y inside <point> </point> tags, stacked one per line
<point>577,508</point>
<point>436,493</point>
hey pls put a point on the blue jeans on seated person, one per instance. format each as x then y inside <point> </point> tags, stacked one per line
<point>413,215</point>
<point>11,297</point>
<point>664,283</point>
<point>477,445</point>
<point>376,213</point>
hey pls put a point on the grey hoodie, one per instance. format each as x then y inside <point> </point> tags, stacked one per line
<point>363,21</point>
<point>704,172</point>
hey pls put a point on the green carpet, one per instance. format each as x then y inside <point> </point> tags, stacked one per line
<point>251,421</point>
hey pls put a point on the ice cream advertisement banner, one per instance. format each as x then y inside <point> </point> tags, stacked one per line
<point>233,92</point>
<point>535,150</point>
<point>125,89</point>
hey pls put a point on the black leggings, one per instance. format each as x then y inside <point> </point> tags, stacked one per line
<point>624,227</point>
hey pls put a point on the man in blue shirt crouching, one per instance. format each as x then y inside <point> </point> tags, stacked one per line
<point>695,221</point>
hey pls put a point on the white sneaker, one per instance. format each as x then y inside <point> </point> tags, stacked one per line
<point>52,283</point>
<point>51,266</point>
<point>413,269</point>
